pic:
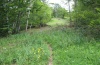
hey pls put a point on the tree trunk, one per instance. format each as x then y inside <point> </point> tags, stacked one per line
<point>7,23</point>
<point>27,25</point>
<point>31,26</point>
<point>27,20</point>
<point>75,1</point>
<point>18,23</point>
<point>13,27</point>
<point>70,19</point>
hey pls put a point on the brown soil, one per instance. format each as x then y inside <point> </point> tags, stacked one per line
<point>50,62</point>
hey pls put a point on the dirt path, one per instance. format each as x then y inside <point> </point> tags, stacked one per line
<point>56,23</point>
<point>50,62</point>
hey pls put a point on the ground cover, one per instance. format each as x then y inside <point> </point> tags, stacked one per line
<point>65,46</point>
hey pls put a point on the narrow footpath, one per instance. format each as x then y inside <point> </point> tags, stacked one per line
<point>50,62</point>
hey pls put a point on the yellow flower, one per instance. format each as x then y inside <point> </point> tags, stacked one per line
<point>39,49</point>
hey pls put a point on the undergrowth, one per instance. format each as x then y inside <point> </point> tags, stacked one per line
<point>69,48</point>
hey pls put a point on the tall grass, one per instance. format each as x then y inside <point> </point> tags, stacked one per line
<point>69,48</point>
<point>23,49</point>
<point>72,48</point>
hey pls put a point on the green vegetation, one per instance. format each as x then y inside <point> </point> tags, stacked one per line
<point>23,49</point>
<point>86,14</point>
<point>59,37</point>
<point>69,47</point>
<point>22,14</point>
<point>73,49</point>
<point>58,21</point>
<point>59,12</point>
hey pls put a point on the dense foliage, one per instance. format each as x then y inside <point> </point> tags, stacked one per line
<point>59,12</point>
<point>87,16</point>
<point>17,15</point>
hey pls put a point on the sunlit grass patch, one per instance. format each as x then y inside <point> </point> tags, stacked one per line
<point>57,21</point>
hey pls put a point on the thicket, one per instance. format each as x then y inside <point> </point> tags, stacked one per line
<point>87,17</point>
<point>19,15</point>
<point>59,12</point>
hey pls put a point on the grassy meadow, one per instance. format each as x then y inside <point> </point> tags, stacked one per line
<point>58,21</point>
<point>69,47</point>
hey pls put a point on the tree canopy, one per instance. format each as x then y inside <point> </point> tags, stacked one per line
<point>87,15</point>
<point>59,12</point>
<point>17,15</point>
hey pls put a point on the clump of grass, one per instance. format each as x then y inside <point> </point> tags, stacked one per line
<point>23,49</point>
<point>72,48</point>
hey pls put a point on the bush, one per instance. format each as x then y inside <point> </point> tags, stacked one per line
<point>89,21</point>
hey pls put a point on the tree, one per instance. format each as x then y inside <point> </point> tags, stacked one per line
<point>58,11</point>
<point>69,11</point>
<point>3,20</point>
<point>88,16</point>
<point>17,15</point>
<point>11,13</point>
<point>41,13</point>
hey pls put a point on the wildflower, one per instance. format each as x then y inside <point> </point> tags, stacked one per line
<point>39,49</point>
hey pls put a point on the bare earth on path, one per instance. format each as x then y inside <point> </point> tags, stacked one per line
<point>50,62</point>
